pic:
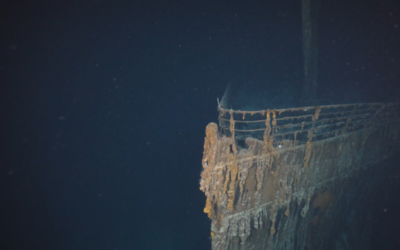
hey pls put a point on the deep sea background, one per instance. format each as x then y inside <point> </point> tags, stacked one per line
<point>103,107</point>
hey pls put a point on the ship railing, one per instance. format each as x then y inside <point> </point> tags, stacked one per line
<point>283,128</point>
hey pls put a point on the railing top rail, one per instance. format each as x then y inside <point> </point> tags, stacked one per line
<point>306,108</point>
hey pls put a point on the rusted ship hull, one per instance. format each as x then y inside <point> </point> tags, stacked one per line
<point>276,191</point>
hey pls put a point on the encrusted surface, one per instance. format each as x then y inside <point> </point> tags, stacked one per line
<point>260,197</point>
